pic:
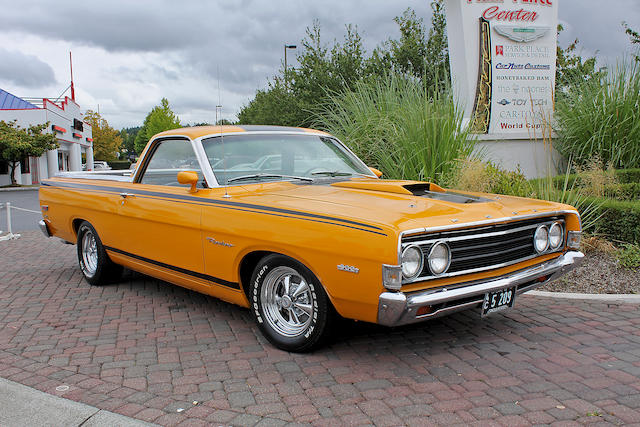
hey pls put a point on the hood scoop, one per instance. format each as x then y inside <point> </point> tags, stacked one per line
<point>415,188</point>
<point>432,191</point>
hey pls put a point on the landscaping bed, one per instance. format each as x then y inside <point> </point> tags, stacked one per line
<point>600,273</point>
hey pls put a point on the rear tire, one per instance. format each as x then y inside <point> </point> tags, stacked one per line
<point>93,260</point>
<point>289,304</point>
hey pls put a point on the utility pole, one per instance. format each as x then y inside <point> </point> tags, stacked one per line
<point>287,46</point>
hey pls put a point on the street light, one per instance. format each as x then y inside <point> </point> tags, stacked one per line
<point>287,46</point>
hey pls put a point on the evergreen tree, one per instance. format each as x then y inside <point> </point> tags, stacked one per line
<point>159,119</point>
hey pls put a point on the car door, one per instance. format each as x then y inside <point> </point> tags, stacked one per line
<point>160,219</point>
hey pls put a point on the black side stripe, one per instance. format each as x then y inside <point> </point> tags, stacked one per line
<point>223,203</point>
<point>232,285</point>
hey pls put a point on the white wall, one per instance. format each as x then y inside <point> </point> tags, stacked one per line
<point>534,158</point>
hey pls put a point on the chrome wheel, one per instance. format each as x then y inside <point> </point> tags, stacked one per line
<point>89,263</point>
<point>287,301</point>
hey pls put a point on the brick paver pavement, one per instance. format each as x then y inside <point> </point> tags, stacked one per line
<point>160,353</point>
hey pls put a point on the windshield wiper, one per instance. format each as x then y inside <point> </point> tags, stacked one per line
<point>268,175</point>
<point>332,173</point>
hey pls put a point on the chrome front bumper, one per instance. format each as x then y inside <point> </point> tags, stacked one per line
<point>398,308</point>
<point>44,228</point>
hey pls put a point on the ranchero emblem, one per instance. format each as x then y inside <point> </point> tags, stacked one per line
<point>218,242</point>
<point>522,34</point>
<point>348,268</point>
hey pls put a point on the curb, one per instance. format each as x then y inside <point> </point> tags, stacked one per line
<point>2,190</point>
<point>25,406</point>
<point>621,298</point>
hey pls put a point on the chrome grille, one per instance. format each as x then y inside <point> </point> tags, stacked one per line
<point>483,248</point>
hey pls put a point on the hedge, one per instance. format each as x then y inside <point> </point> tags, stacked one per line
<point>619,220</point>
<point>120,164</point>
<point>625,176</point>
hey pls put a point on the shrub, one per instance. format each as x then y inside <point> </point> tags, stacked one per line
<point>629,256</point>
<point>119,164</point>
<point>627,176</point>
<point>596,180</point>
<point>486,177</point>
<point>395,125</point>
<point>600,118</point>
<point>619,220</point>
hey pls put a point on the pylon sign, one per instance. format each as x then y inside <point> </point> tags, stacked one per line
<point>503,63</point>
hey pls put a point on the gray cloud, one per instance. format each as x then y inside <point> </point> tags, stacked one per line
<point>24,70</point>
<point>136,52</point>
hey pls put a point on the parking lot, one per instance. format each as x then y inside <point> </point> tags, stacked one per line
<point>159,353</point>
<point>21,220</point>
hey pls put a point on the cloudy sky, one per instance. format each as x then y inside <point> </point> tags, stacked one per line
<point>127,55</point>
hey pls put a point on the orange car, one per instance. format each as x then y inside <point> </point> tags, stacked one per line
<point>291,224</point>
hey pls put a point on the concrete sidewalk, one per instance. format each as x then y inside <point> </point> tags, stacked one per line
<point>24,406</point>
<point>25,188</point>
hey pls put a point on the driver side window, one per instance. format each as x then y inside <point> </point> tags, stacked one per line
<point>167,159</point>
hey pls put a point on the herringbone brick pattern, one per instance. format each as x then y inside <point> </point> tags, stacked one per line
<point>160,353</point>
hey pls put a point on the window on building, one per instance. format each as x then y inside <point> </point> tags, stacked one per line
<point>24,165</point>
<point>60,161</point>
<point>4,167</point>
<point>78,125</point>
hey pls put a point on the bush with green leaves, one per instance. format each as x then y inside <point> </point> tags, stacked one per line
<point>600,118</point>
<point>397,126</point>
<point>629,256</point>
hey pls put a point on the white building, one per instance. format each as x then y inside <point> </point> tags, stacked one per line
<point>65,121</point>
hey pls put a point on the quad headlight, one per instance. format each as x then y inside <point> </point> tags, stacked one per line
<point>439,258</point>
<point>548,238</point>
<point>556,236</point>
<point>541,239</point>
<point>412,262</point>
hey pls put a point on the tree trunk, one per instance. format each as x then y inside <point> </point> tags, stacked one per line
<point>14,165</point>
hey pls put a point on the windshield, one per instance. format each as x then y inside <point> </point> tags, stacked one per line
<point>268,157</point>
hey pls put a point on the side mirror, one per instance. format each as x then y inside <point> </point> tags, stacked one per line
<point>189,178</point>
<point>376,172</point>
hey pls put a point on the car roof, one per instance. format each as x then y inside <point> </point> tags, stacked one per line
<point>200,131</point>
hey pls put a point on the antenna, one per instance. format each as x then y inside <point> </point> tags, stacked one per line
<point>73,91</point>
<point>219,123</point>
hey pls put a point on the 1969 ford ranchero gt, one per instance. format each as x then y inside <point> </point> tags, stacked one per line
<point>291,224</point>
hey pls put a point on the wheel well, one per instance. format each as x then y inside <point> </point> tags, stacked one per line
<point>76,224</point>
<point>247,265</point>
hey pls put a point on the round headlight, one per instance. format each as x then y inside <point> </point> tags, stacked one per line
<point>556,234</point>
<point>411,262</point>
<point>541,239</point>
<point>439,258</point>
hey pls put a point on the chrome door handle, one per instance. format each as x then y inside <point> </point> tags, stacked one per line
<point>125,195</point>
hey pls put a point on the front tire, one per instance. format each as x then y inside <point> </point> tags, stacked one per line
<point>290,306</point>
<point>93,260</point>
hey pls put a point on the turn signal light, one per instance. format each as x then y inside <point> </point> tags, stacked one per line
<point>424,310</point>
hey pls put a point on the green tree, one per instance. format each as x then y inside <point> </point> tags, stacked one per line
<point>159,119</point>
<point>107,141</point>
<point>326,69</point>
<point>18,143</point>
<point>634,36</point>
<point>272,106</point>
<point>572,70</point>
<point>128,136</point>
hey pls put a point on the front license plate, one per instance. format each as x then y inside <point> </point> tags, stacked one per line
<point>498,301</point>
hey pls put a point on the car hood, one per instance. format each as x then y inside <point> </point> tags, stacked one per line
<point>401,205</point>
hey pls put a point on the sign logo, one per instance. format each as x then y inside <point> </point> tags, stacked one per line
<point>499,50</point>
<point>504,102</point>
<point>521,34</point>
